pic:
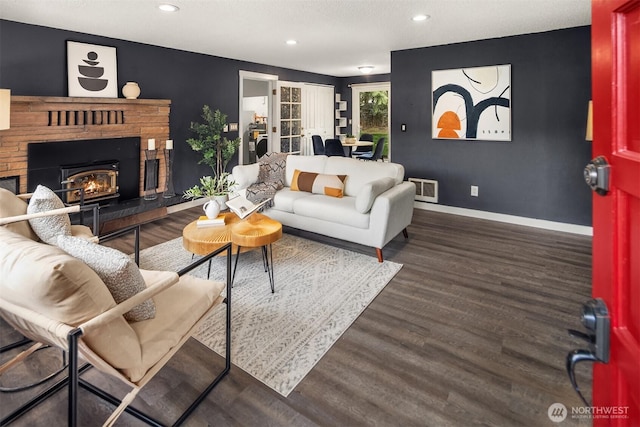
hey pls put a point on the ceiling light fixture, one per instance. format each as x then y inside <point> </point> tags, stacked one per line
<point>419,18</point>
<point>168,8</point>
<point>365,69</point>
<point>292,42</point>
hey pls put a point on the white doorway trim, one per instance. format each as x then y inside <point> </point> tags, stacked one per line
<point>356,89</point>
<point>272,80</point>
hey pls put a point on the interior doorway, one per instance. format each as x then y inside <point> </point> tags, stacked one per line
<point>371,112</point>
<point>256,115</point>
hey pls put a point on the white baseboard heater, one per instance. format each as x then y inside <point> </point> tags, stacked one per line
<point>426,189</point>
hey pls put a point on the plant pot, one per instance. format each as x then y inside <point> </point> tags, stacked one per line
<point>222,201</point>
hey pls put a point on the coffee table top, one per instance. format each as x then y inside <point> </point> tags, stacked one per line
<point>254,231</point>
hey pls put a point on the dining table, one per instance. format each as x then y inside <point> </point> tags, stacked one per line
<point>348,146</point>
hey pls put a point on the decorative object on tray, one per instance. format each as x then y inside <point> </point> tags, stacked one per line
<point>350,139</point>
<point>206,222</point>
<point>242,207</point>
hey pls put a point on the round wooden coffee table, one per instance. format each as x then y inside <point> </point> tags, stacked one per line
<point>255,231</point>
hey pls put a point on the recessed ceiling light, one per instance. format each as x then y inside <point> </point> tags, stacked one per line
<point>419,18</point>
<point>365,69</point>
<point>168,8</point>
<point>291,42</point>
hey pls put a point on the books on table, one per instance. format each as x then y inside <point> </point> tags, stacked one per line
<point>204,222</point>
<point>242,207</point>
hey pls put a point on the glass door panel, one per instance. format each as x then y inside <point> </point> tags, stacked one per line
<point>290,118</point>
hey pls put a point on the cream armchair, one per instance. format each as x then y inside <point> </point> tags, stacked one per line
<point>56,299</point>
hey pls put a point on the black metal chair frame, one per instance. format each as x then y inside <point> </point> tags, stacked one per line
<point>73,380</point>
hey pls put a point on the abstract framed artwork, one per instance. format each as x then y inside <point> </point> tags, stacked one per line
<point>92,70</point>
<point>472,103</point>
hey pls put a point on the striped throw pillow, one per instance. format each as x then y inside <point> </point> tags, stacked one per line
<point>318,183</point>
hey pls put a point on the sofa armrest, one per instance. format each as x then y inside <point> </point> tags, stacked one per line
<point>392,211</point>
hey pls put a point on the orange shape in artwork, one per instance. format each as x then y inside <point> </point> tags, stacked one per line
<point>448,123</point>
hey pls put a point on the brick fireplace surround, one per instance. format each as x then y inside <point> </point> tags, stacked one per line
<point>36,119</point>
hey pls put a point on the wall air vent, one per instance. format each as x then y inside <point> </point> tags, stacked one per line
<point>426,189</point>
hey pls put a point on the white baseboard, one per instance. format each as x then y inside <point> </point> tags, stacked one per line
<point>511,219</point>
<point>186,205</point>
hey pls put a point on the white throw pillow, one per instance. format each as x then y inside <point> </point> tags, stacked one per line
<point>118,272</point>
<point>368,193</point>
<point>48,228</point>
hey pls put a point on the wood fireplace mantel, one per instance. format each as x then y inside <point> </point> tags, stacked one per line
<point>40,119</point>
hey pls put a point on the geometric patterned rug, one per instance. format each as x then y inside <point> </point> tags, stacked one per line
<point>278,338</point>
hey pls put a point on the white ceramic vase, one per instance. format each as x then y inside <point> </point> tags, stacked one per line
<point>131,90</point>
<point>211,209</point>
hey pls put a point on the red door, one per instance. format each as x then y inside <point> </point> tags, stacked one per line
<point>616,215</point>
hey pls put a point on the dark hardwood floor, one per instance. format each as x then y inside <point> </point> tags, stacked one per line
<point>471,331</point>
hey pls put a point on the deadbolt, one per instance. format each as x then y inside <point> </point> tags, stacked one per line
<point>596,175</point>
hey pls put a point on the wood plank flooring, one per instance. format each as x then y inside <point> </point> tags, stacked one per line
<point>471,331</point>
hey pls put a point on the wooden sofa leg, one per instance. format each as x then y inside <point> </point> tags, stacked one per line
<point>405,233</point>
<point>379,254</point>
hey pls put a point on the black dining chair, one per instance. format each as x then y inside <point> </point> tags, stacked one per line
<point>318,145</point>
<point>362,150</point>
<point>377,152</point>
<point>333,147</point>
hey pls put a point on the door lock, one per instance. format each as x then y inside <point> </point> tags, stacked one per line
<point>595,318</point>
<point>596,175</point>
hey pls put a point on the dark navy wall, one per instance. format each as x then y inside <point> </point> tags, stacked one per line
<point>33,63</point>
<point>536,175</point>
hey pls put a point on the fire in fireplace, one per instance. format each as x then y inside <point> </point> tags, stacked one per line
<point>99,181</point>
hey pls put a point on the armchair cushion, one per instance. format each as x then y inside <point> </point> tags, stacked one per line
<point>45,279</point>
<point>118,272</point>
<point>50,227</point>
<point>12,205</point>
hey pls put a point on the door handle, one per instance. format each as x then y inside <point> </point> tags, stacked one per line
<point>595,318</point>
<point>596,175</point>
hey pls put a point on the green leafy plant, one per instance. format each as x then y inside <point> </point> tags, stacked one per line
<point>210,186</point>
<point>216,150</point>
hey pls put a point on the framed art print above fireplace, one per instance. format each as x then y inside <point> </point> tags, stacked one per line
<point>92,70</point>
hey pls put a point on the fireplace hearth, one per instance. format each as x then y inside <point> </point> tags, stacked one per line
<point>98,180</point>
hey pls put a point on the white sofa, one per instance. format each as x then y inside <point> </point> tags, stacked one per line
<point>377,204</point>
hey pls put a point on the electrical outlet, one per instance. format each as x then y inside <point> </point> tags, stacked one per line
<point>474,190</point>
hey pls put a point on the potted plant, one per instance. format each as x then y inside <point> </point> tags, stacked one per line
<point>350,139</point>
<point>212,187</point>
<point>216,152</point>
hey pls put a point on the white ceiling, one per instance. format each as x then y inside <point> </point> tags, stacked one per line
<point>334,36</point>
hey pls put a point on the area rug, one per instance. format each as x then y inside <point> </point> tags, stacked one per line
<point>278,338</point>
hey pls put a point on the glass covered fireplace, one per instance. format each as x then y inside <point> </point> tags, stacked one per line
<point>98,180</point>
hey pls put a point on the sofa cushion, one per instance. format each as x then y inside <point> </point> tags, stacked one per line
<point>12,205</point>
<point>304,163</point>
<point>340,211</point>
<point>285,199</point>
<point>118,272</point>
<point>318,183</point>
<point>45,279</point>
<point>48,228</point>
<point>368,193</point>
<point>361,172</point>
<point>272,168</point>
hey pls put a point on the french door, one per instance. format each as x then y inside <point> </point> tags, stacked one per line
<point>303,110</point>
<point>290,127</point>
